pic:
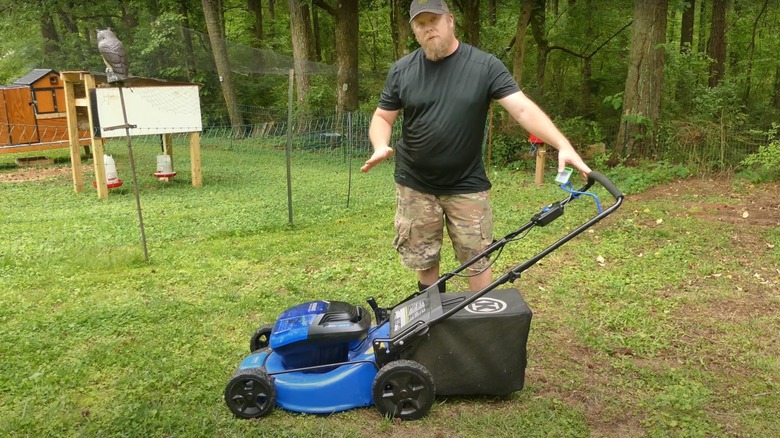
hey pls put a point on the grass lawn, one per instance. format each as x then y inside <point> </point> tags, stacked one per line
<point>662,320</point>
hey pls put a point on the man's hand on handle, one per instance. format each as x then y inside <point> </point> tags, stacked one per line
<point>568,155</point>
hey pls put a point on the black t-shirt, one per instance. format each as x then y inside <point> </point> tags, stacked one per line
<point>445,105</point>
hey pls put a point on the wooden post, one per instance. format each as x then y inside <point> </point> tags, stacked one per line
<point>197,178</point>
<point>72,102</point>
<point>167,146</point>
<point>97,144</point>
<point>541,153</point>
<point>73,132</point>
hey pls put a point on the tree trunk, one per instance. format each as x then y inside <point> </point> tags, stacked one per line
<point>538,23</point>
<point>129,20</point>
<point>776,93</point>
<point>300,31</point>
<point>51,40</point>
<point>587,108</point>
<point>401,30</point>
<point>187,38</point>
<point>345,14</point>
<point>716,48</point>
<point>219,49</point>
<point>316,54</point>
<point>702,44</point>
<point>348,32</point>
<point>686,28</point>
<point>522,27</point>
<point>470,24</point>
<point>644,82</point>
<point>492,11</point>
<point>256,8</point>
<point>752,51</point>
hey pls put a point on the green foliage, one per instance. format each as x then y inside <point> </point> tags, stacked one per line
<point>615,101</point>
<point>721,101</point>
<point>635,179</point>
<point>18,50</point>
<point>507,149</point>
<point>765,163</point>
<point>151,32</point>
<point>684,80</point>
<point>581,131</point>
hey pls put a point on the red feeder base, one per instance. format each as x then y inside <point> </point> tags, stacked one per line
<point>111,185</point>
<point>164,176</point>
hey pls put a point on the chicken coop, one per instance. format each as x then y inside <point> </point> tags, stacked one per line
<point>32,114</point>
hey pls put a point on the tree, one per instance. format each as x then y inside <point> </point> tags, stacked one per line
<point>471,20</point>
<point>400,28</point>
<point>189,59</point>
<point>644,82</point>
<point>256,8</point>
<point>716,48</point>
<point>686,27</point>
<point>51,39</point>
<point>346,16</point>
<point>752,50</point>
<point>538,25</point>
<point>526,8</point>
<point>300,30</point>
<point>213,14</point>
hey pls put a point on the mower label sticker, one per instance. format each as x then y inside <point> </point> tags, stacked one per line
<point>486,305</point>
<point>408,313</point>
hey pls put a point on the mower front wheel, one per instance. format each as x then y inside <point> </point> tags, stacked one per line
<point>250,393</point>
<point>261,338</point>
<point>403,389</point>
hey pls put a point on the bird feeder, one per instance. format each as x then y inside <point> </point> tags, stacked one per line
<point>164,168</point>
<point>112,177</point>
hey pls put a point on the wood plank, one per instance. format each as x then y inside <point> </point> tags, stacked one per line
<point>71,117</point>
<point>197,178</point>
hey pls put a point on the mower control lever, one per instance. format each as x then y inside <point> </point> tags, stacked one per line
<point>379,313</point>
<point>548,214</point>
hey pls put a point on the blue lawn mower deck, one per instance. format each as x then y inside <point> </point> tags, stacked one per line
<point>322,357</point>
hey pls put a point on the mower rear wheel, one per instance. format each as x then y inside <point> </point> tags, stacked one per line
<point>250,393</point>
<point>261,338</point>
<point>403,389</point>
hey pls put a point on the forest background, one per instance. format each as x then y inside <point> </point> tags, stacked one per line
<point>658,323</point>
<point>689,82</point>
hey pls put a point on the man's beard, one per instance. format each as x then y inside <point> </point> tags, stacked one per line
<point>436,49</point>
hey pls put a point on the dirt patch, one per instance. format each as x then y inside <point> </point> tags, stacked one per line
<point>37,174</point>
<point>720,200</point>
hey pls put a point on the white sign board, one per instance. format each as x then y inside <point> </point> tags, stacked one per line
<point>153,110</point>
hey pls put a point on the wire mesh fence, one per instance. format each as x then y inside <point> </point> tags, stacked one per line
<point>246,186</point>
<point>265,174</point>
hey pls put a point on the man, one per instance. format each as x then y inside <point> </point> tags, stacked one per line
<point>444,89</point>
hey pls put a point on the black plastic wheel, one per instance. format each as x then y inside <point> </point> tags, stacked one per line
<point>261,338</point>
<point>403,389</point>
<point>250,393</point>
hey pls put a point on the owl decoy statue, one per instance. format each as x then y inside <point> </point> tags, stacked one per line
<point>114,55</point>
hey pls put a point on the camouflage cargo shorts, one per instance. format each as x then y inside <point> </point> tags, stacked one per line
<point>420,220</point>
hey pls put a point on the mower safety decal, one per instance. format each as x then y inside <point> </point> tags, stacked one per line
<point>408,313</point>
<point>486,305</point>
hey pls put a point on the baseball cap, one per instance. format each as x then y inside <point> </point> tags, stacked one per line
<point>432,6</point>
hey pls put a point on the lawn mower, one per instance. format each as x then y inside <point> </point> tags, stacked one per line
<point>322,357</point>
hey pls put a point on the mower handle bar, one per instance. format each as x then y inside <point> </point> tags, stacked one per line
<point>605,182</point>
<point>421,327</point>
